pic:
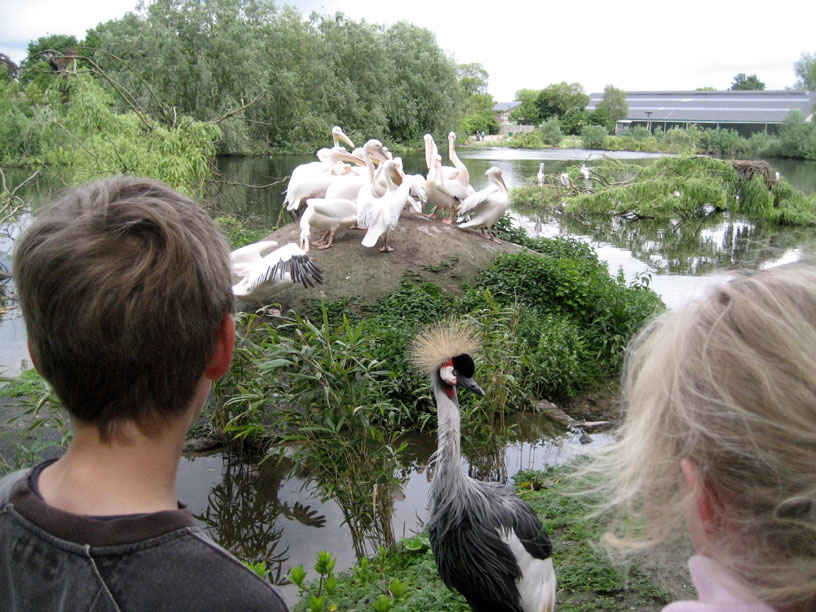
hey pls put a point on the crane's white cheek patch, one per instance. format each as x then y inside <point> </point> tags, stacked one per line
<point>537,583</point>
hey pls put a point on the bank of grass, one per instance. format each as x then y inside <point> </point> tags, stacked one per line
<point>588,581</point>
<point>674,189</point>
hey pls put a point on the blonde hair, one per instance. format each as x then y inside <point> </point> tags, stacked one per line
<point>123,285</point>
<point>729,382</point>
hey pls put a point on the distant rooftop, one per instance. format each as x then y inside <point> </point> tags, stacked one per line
<point>501,107</point>
<point>715,106</point>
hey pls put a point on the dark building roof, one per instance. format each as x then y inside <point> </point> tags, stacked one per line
<point>500,107</point>
<point>715,106</point>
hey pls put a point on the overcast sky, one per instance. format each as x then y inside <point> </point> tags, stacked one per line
<point>631,44</point>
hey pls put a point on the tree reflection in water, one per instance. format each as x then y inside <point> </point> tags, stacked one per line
<point>696,246</point>
<point>243,511</point>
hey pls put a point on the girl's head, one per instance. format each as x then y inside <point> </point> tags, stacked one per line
<point>727,388</point>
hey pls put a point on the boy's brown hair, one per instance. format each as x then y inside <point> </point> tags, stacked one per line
<point>123,284</point>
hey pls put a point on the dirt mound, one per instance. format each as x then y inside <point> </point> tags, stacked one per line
<point>423,248</point>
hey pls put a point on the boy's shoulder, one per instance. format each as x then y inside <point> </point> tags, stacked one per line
<point>7,483</point>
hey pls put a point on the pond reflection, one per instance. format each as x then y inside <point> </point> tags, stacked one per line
<point>259,513</point>
<point>245,515</point>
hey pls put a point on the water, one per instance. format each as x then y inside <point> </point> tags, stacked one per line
<point>258,512</point>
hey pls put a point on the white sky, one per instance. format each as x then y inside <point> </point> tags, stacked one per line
<point>631,44</point>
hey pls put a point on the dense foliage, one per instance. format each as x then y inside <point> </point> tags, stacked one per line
<point>552,321</point>
<point>73,125</point>
<point>289,79</point>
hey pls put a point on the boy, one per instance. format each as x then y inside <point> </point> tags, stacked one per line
<point>125,289</point>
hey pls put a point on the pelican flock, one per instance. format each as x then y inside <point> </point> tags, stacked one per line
<point>365,189</point>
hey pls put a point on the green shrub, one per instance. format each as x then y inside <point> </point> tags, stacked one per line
<point>551,132</point>
<point>593,137</point>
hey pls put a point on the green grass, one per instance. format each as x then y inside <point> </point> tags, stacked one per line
<point>29,383</point>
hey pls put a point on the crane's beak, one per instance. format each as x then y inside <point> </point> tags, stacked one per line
<point>470,384</point>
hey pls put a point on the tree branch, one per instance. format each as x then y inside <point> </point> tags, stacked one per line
<point>240,108</point>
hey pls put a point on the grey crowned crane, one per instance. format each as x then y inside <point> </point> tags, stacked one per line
<point>488,544</point>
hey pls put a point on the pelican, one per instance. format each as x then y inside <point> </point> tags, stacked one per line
<point>456,183</point>
<point>348,186</point>
<point>487,205</point>
<point>312,181</point>
<point>275,272</point>
<point>328,214</point>
<point>436,195</point>
<point>565,179</point>
<point>417,197</point>
<point>381,215</point>
<point>243,259</point>
<point>338,135</point>
<point>488,544</point>
<point>462,175</point>
<point>541,177</point>
<point>431,151</point>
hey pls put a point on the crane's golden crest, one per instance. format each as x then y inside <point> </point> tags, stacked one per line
<point>434,345</point>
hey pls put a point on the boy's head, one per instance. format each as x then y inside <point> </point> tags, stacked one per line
<point>124,284</point>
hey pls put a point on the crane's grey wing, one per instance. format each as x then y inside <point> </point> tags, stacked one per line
<point>473,560</point>
<point>528,528</point>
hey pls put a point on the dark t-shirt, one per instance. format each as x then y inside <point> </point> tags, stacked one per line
<point>55,560</point>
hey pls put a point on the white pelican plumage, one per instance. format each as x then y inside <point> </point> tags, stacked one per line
<point>328,214</point>
<point>462,175</point>
<point>431,151</point>
<point>348,186</point>
<point>275,272</point>
<point>382,215</point>
<point>312,181</point>
<point>487,205</point>
<point>436,194</point>
<point>338,135</point>
<point>541,177</point>
<point>243,259</point>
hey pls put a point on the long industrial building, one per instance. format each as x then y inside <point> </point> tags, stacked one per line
<point>744,111</point>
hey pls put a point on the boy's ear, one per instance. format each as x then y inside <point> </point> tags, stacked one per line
<point>33,356</point>
<point>222,357</point>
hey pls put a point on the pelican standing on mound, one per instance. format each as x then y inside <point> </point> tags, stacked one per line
<point>274,272</point>
<point>381,215</point>
<point>488,544</point>
<point>328,214</point>
<point>487,205</point>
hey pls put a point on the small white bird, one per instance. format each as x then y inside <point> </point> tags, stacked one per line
<point>541,176</point>
<point>487,205</point>
<point>585,172</point>
<point>275,272</point>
